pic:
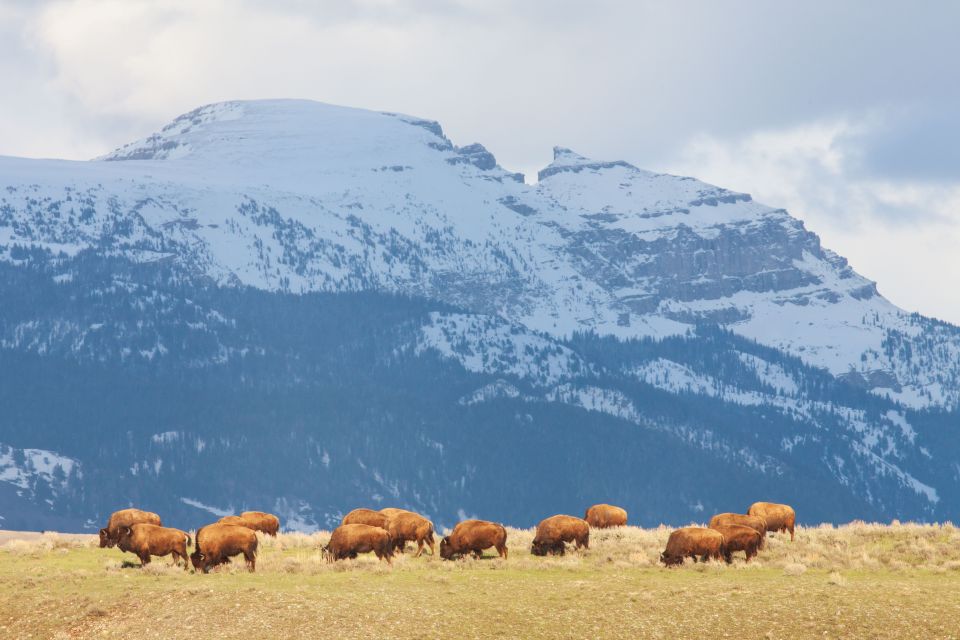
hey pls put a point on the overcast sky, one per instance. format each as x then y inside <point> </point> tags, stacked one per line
<point>846,113</point>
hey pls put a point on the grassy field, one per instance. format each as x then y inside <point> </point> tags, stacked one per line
<point>855,581</point>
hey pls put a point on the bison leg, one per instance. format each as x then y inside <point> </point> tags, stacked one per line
<point>419,549</point>
<point>791,533</point>
<point>502,550</point>
<point>251,559</point>
<point>144,559</point>
<point>477,553</point>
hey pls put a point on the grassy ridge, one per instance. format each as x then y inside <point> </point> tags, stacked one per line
<point>852,581</point>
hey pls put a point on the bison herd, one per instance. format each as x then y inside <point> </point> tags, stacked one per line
<point>729,532</point>
<point>386,533</point>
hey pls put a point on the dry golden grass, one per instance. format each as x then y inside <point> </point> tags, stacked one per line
<point>855,581</point>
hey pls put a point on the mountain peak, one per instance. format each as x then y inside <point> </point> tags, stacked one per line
<point>565,159</point>
<point>568,156</point>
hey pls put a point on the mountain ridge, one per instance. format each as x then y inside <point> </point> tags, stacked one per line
<point>647,304</point>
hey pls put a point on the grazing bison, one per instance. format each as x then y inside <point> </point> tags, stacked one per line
<point>410,527</point>
<point>125,518</point>
<point>348,540</point>
<point>754,522</point>
<point>779,517</point>
<point>738,538</point>
<point>366,516</point>
<point>255,521</point>
<point>473,536</point>
<point>145,540</point>
<point>263,522</point>
<point>216,543</point>
<point>554,531</point>
<point>604,516</point>
<point>692,542</point>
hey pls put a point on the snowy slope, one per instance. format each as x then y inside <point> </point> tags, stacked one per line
<point>300,196</point>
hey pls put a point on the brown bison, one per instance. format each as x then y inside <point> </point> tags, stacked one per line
<point>554,531</point>
<point>145,540</point>
<point>125,518</point>
<point>366,516</point>
<point>216,543</point>
<point>410,527</point>
<point>348,540</point>
<point>738,538</point>
<point>754,522</point>
<point>692,542</point>
<point>604,516</point>
<point>779,517</point>
<point>256,521</point>
<point>264,522</point>
<point>473,536</point>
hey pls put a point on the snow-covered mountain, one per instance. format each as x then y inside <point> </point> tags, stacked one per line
<point>597,290</point>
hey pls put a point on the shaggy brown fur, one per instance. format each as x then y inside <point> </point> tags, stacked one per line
<point>692,542</point>
<point>366,516</point>
<point>264,522</point>
<point>554,531</point>
<point>255,521</point>
<point>738,538</point>
<point>348,540</point>
<point>754,522</point>
<point>216,543</point>
<point>411,527</point>
<point>125,518</point>
<point>473,536</point>
<point>145,540</point>
<point>604,516</point>
<point>392,511</point>
<point>779,517</point>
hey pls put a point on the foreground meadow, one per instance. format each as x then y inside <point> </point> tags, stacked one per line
<point>854,581</point>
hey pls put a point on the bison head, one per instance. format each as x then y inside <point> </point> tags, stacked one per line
<point>123,537</point>
<point>196,559</point>
<point>539,548</point>
<point>446,551</point>
<point>669,560</point>
<point>105,539</point>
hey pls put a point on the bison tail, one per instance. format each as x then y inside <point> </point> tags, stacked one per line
<point>189,541</point>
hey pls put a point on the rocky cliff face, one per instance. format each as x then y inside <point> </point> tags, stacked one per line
<point>603,289</point>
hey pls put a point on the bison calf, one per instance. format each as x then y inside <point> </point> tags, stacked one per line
<point>216,543</point>
<point>145,540</point>
<point>604,516</point>
<point>738,538</point>
<point>555,531</point>
<point>779,517</point>
<point>348,540</point>
<point>692,542</point>
<point>125,518</point>
<point>473,536</point>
